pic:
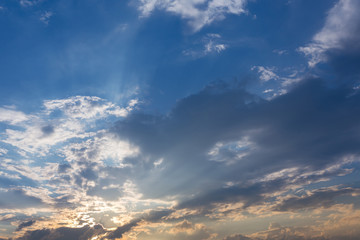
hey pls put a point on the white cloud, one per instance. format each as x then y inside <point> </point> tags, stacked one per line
<point>12,117</point>
<point>75,117</point>
<point>211,47</point>
<point>268,90</point>
<point>34,141</point>
<point>269,73</point>
<point>3,151</point>
<point>266,73</point>
<point>210,44</point>
<point>198,13</point>
<point>231,152</point>
<point>340,27</point>
<point>87,107</point>
<point>285,79</point>
<point>103,147</point>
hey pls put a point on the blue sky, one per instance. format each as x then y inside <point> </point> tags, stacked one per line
<point>179,119</point>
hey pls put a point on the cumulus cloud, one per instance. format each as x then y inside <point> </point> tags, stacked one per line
<point>198,13</point>
<point>340,33</point>
<point>85,163</point>
<point>61,120</point>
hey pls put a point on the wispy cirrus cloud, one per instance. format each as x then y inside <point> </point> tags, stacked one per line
<point>210,44</point>
<point>29,3</point>
<point>284,79</point>
<point>45,17</point>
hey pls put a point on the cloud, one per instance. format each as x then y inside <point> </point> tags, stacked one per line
<point>198,13</point>
<point>278,232</point>
<point>315,199</point>
<point>340,33</point>
<point>224,153</point>
<point>17,198</point>
<point>25,224</point>
<point>61,120</point>
<point>118,233</point>
<point>64,233</point>
<point>266,73</point>
<point>3,151</point>
<point>219,115</point>
<point>12,117</point>
<point>87,107</point>
<point>48,130</point>
<point>237,237</point>
<point>188,230</point>
<point>280,52</point>
<point>286,78</point>
<point>29,3</point>
<point>210,44</point>
<point>84,162</point>
<point>211,47</point>
<point>45,17</point>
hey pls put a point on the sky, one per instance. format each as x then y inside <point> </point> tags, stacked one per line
<point>180,119</point>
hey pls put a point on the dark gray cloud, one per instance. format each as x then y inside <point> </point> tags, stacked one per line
<point>118,233</point>
<point>238,237</point>
<point>64,233</point>
<point>311,127</point>
<point>62,168</point>
<point>152,216</point>
<point>89,173</point>
<point>48,130</point>
<point>87,232</point>
<point>25,224</point>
